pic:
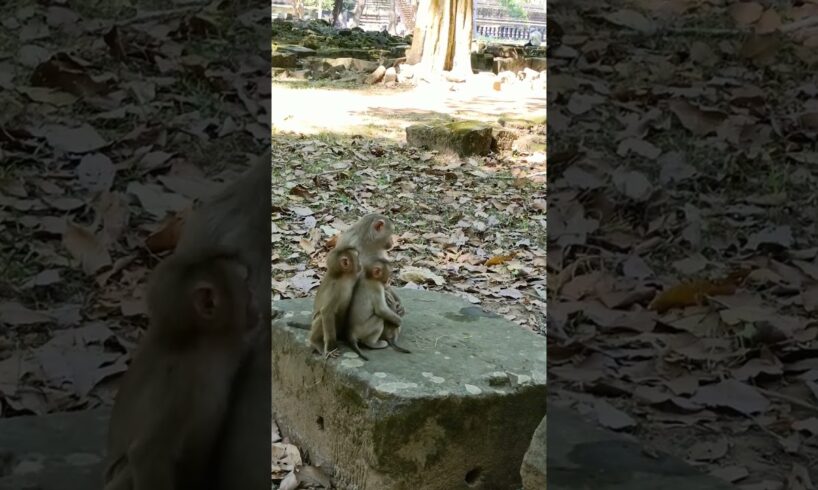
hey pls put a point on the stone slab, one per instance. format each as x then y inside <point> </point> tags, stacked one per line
<point>457,413</point>
<point>582,455</point>
<point>61,451</point>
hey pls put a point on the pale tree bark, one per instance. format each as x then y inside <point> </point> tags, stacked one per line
<point>337,6</point>
<point>442,38</point>
<point>358,11</point>
<point>393,17</point>
<point>298,9</point>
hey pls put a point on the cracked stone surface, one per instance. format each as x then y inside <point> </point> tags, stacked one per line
<point>456,413</point>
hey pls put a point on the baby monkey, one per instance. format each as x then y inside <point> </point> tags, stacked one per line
<point>332,299</point>
<point>372,237</point>
<point>369,313</point>
<point>173,400</point>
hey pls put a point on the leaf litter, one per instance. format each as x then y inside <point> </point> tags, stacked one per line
<point>99,170</point>
<point>688,196</point>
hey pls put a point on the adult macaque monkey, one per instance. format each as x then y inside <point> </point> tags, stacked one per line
<point>368,310</point>
<point>332,300</point>
<point>239,217</point>
<point>171,405</point>
<point>372,236</point>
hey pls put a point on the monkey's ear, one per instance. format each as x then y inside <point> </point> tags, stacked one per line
<point>377,272</point>
<point>378,226</point>
<point>205,300</point>
<point>345,262</point>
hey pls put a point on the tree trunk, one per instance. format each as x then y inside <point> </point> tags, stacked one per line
<point>337,6</point>
<point>393,17</point>
<point>359,10</point>
<point>442,37</point>
<point>298,9</point>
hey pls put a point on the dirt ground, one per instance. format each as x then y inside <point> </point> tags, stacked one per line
<point>386,112</point>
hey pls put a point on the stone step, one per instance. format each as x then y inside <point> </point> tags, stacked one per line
<point>458,413</point>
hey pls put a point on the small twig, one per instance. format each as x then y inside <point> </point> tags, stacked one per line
<point>765,429</point>
<point>800,24</point>
<point>788,398</point>
<point>328,172</point>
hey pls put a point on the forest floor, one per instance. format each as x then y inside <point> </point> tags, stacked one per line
<point>682,262</point>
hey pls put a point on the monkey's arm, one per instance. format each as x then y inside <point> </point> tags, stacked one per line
<point>383,310</point>
<point>393,301</point>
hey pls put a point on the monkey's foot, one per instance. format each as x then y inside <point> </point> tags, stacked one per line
<point>332,354</point>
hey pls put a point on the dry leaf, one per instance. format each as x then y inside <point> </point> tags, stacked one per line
<point>809,298</point>
<point>761,48</point>
<point>157,202</point>
<point>631,19</point>
<point>770,21</point>
<point>48,96</point>
<point>694,293</point>
<point>697,121</point>
<point>733,394</point>
<point>168,234</point>
<point>82,139</point>
<point>13,313</point>
<point>420,275</point>
<point>86,248</point>
<point>44,278</point>
<point>636,268</point>
<point>500,259</point>
<point>745,13</point>
<point>632,184</point>
<point>611,417</point>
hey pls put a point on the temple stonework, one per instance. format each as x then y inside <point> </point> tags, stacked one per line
<point>492,19</point>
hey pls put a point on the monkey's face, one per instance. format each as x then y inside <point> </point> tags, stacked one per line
<point>379,271</point>
<point>382,234</point>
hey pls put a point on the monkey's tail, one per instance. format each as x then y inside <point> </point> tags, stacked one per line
<point>397,347</point>
<point>354,344</point>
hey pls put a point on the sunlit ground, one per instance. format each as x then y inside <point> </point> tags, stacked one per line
<point>381,112</point>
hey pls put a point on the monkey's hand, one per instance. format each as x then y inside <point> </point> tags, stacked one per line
<point>334,353</point>
<point>393,302</point>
